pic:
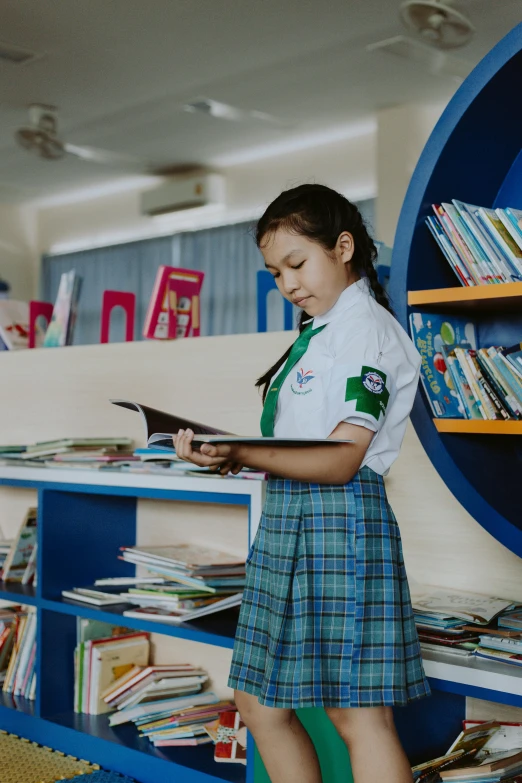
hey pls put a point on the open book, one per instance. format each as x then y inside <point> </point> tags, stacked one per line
<point>161,426</point>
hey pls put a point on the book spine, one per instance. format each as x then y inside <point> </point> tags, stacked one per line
<point>506,376</point>
<point>496,402</point>
<point>513,375</point>
<point>501,236</point>
<point>484,238</point>
<point>489,372</point>
<point>488,263</point>
<point>473,258</point>
<point>471,266</point>
<point>477,375</point>
<point>448,251</point>
<point>460,353</point>
<point>511,225</point>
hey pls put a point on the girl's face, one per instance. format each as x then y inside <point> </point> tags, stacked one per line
<point>305,273</point>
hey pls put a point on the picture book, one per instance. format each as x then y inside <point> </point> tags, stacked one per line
<point>61,328</point>
<point>161,426</point>
<point>474,737</point>
<point>14,324</point>
<point>19,557</point>
<point>174,304</point>
<point>430,334</point>
<point>474,607</point>
<point>507,737</point>
<point>109,661</point>
<point>231,739</point>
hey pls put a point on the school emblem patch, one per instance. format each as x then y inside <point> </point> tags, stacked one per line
<point>369,392</point>
<point>302,379</point>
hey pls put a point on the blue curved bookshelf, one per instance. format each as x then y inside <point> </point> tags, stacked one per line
<point>473,154</point>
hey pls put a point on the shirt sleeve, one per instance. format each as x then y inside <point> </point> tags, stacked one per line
<point>360,384</point>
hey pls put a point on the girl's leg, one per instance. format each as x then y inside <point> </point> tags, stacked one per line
<point>285,746</point>
<point>375,749</point>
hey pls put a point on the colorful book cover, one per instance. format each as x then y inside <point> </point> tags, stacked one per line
<point>175,298</point>
<point>231,738</point>
<point>60,330</point>
<point>513,355</point>
<point>512,219</point>
<point>460,382</point>
<point>430,333</point>
<point>21,550</point>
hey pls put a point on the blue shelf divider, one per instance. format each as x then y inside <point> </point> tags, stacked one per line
<point>473,154</point>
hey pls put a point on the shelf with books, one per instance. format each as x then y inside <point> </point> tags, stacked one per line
<point>501,297</point>
<point>479,427</point>
<point>489,680</point>
<point>218,629</point>
<point>14,591</point>
<point>481,472</point>
<point>102,515</point>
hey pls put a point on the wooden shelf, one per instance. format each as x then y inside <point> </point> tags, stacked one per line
<point>479,427</point>
<point>505,296</point>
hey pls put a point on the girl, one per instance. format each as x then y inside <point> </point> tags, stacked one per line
<point>326,618</point>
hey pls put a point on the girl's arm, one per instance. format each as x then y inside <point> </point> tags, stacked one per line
<point>316,464</point>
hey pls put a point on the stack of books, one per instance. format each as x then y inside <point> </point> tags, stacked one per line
<point>71,452</point>
<point>200,581</point>
<point>18,651</point>
<point>499,645</point>
<point>166,462</point>
<point>484,752</point>
<point>19,556</point>
<point>455,622</point>
<point>461,380</point>
<point>483,246</point>
<point>178,719</point>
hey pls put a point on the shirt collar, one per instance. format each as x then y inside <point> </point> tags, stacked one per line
<point>347,298</point>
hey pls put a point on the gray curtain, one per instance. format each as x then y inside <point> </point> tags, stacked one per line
<point>129,267</point>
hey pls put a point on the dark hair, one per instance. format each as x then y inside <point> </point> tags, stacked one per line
<point>320,214</point>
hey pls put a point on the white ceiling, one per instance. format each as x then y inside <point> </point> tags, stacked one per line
<point>119,71</point>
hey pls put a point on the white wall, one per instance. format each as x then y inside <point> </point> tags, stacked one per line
<point>18,250</point>
<point>402,133</point>
<point>347,164</point>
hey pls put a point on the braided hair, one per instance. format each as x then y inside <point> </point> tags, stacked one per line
<point>320,214</point>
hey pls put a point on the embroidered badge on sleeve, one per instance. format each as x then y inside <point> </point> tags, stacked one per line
<point>369,392</point>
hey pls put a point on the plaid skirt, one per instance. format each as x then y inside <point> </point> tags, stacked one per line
<point>326,618</point>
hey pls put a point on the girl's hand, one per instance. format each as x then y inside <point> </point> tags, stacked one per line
<point>221,458</point>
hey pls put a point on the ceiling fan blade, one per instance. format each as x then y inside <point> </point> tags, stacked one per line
<point>107,158</point>
<point>435,61</point>
<point>225,111</point>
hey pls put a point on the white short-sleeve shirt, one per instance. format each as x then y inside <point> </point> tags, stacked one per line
<point>361,368</point>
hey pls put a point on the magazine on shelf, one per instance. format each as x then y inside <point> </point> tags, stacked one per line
<point>161,426</point>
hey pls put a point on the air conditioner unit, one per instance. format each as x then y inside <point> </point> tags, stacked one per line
<point>184,193</point>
